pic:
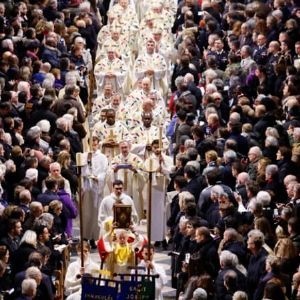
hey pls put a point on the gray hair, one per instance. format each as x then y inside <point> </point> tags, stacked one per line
<point>189,143</point>
<point>179,80</point>
<point>271,170</point>
<point>217,189</point>
<point>264,198</point>
<point>228,259</point>
<point>235,117</point>
<point>240,295</point>
<point>229,155</point>
<point>257,151</point>
<point>199,294</point>
<point>28,286</point>
<point>45,219</point>
<point>271,141</point>
<point>257,236</point>
<point>33,273</point>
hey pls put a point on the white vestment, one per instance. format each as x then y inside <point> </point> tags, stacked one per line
<point>158,206</point>
<point>94,174</point>
<point>160,281</point>
<point>106,207</point>
<point>133,182</point>
<point>72,283</point>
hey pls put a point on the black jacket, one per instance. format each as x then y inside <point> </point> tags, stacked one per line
<point>205,259</point>
<point>256,269</point>
<point>20,257</point>
<point>219,284</point>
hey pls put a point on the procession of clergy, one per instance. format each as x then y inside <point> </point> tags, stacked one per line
<point>129,116</point>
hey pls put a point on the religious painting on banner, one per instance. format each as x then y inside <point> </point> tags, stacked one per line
<point>122,215</point>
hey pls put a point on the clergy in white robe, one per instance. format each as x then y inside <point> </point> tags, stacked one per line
<point>116,197</point>
<point>134,102</point>
<point>72,280</point>
<point>128,167</point>
<point>152,65</point>
<point>117,105</point>
<point>101,101</point>
<point>94,175</point>
<point>145,134</point>
<point>110,70</point>
<point>159,184</point>
<point>155,269</point>
<point>111,133</point>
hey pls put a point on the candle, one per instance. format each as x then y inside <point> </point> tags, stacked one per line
<point>150,165</point>
<point>79,159</point>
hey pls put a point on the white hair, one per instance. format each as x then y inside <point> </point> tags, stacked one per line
<point>263,197</point>
<point>229,155</point>
<point>228,259</point>
<point>29,237</point>
<point>271,141</point>
<point>32,174</point>
<point>44,125</point>
<point>62,123</point>
<point>85,6</point>
<point>28,286</point>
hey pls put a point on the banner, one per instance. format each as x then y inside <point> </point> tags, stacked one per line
<point>129,287</point>
<point>137,287</point>
<point>99,289</point>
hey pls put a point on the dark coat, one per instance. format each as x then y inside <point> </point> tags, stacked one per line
<point>46,197</point>
<point>256,269</point>
<point>44,114</point>
<point>242,143</point>
<point>20,257</point>
<point>219,284</point>
<point>205,259</point>
<point>44,290</point>
<point>51,55</point>
<point>236,248</point>
<point>194,187</point>
<point>62,106</point>
<point>12,245</point>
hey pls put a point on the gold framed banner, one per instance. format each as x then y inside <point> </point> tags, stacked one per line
<point>122,215</point>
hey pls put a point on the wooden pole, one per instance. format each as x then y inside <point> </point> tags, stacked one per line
<point>79,166</point>
<point>149,217</point>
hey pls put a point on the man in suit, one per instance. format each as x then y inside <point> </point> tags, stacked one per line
<point>193,186</point>
<point>12,237</point>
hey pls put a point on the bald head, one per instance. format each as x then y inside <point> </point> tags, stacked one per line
<point>243,178</point>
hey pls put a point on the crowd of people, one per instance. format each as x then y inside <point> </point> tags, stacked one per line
<point>205,92</point>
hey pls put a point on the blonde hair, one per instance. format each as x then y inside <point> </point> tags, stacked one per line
<point>63,159</point>
<point>284,248</point>
<point>55,204</point>
<point>212,155</point>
